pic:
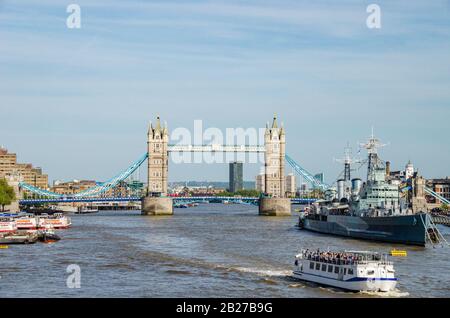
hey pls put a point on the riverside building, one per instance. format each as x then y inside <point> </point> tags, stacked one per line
<point>27,173</point>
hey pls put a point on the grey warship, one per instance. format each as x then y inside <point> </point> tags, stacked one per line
<point>373,210</point>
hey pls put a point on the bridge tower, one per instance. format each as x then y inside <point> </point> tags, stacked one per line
<point>275,144</point>
<point>156,202</point>
<point>157,141</point>
<point>276,203</point>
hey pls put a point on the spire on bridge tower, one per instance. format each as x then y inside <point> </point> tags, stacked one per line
<point>165,129</point>
<point>158,123</point>
<point>274,123</point>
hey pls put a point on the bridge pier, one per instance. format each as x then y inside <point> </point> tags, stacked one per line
<point>275,206</point>
<point>157,206</point>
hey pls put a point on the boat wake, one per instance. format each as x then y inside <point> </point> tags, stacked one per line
<point>390,294</point>
<point>262,272</point>
<point>297,285</point>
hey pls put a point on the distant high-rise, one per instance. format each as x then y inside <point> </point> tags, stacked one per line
<point>259,184</point>
<point>303,187</point>
<point>236,176</point>
<point>291,185</point>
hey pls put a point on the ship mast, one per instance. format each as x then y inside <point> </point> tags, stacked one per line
<point>347,161</point>
<point>372,146</point>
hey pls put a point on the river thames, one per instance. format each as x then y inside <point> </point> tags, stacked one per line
<point>212,250</point>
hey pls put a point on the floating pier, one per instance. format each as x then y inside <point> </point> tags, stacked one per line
<point>441,219</point>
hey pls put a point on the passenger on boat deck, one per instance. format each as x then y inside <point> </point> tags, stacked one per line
<point>330,257</point>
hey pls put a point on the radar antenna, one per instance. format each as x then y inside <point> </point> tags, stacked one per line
<point>372,146</point>
<point>347,160</point>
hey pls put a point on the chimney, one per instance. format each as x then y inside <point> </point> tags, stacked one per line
<point>388,168</point>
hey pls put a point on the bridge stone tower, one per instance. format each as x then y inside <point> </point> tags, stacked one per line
<point>155,203</point>
<point>275,144</point>
<point>158,139</point>
<point>276,203</point>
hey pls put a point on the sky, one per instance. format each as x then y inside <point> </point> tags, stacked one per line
<point>77,102</point>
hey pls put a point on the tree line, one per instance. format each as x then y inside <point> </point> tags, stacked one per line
<point>7,194</point>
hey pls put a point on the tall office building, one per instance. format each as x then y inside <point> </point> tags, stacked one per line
<point>259,184</point>
<point>236,176</point>
<point>291,185</point>
<point>303,188</point>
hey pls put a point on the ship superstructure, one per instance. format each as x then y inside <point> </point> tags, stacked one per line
<point>373,210</point>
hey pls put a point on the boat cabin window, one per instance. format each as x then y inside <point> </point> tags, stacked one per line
<point>311,265</point>
<point>350,271</point>
<point>324,267</point>
<point>330,268</point>
<point>317,266</point>
<point>345,271</point>
<point>336,269</point>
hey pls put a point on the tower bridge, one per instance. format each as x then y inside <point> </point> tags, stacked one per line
<point>274,150</point>
<point>274,201</point>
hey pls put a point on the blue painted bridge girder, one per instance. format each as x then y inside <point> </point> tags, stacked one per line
<point>131,199</point>
<point>74,200</point>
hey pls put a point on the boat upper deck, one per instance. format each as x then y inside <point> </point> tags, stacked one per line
<point>344,258</point>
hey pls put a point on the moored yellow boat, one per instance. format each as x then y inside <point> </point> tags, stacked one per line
<point>395,252</point>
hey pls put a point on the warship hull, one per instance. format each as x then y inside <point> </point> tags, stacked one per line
<point>404,229</point>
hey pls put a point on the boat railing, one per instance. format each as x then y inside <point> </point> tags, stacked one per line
<point>343,261</point>
<point>367,262</point>
<point>6,219</point>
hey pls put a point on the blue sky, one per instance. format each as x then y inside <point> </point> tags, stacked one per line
<point>77,101</point>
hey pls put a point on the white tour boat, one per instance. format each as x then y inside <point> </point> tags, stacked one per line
<point>27,222</point>
<point>55,221</point>
<point>7,225</point>
<point>352,270</point>
<point>31,222</point>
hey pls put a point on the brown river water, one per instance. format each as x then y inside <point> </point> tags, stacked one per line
<point>212,250</point>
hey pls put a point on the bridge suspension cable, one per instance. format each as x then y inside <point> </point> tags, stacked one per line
<point>308,176</point>
<point>39,191</point>
<point>94,191</point>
